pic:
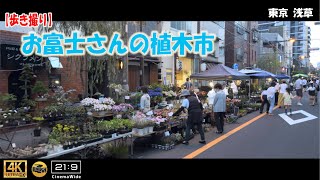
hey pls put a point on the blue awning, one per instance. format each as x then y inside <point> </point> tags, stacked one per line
<point>55,62</point>
<point>282,76</point>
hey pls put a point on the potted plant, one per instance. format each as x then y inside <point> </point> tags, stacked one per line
<point>40,89</point>
<point>128,124</point>
<point>7,101</point>
<point>140,125</point>
<point>101,109</point>
<point>37,132</point>
<point>89,102</point>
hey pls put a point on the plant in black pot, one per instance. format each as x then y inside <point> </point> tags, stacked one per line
<point>1,123</point>
<point>128,124</point>
<point>37,132</point>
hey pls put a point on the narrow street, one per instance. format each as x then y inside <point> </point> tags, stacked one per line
<point>257,136</point>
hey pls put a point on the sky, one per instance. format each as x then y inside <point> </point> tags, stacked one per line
<point>315,42</point>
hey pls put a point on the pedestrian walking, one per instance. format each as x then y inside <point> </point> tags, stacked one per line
<point>312,93</point>
<point>271,91</point>
<point>277,87</point>
<point>287,101</point>
<point>282,90</point>
<point>219,107</point>
<point>195,117</point>
<point>264,100</point>
<point>304,84</point>
<point>298,85</point>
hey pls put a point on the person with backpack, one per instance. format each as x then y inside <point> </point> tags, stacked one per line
<point>312,94</point>
<point>195,117</point>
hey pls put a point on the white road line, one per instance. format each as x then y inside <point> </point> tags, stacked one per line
<point>290,121</point>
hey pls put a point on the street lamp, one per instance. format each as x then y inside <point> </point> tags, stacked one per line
<point>292,40</point>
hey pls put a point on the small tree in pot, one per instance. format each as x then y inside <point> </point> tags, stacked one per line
<point>40,89</point>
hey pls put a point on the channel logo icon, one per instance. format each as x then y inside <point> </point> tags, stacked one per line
<point>39,169</point>
<point>15,169</point>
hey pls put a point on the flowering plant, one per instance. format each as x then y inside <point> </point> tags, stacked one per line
<point>122,107</point>
<point>235,100</point>
<point>153,93</point>
<point>118,88</point>
<point>169,93</point>
<point>158,119</point>
<point>139,115</point>
<point>101,107</point>
<point>107,101</point>
<point>89,102</point>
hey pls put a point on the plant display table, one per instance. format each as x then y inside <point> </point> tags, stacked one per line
<point>89,145</point>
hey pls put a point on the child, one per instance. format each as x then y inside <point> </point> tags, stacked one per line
<point>264,100</point>
<point>287,96</point>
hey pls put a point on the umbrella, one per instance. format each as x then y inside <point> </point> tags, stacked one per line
<point>302,75</point>
<point>282,76</point>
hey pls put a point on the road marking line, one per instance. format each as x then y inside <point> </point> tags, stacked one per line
<point>219,139</point>
<point>290,121</point>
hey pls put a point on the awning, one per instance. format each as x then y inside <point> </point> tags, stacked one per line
<point>219,72</point>
<point>248,71</point>
<point>55,62</point>
<point>282,76</point>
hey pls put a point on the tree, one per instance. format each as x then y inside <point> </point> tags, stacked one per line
<point>98,69</point>
<point>269,63</point>
<point>26,76</point>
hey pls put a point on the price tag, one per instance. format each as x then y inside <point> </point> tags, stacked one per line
<point>170,113</point>
<point>14,145</point>
<point>167,133</point>
<point>127,97</point>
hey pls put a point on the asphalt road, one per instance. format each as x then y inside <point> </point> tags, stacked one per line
<point>267,137</point>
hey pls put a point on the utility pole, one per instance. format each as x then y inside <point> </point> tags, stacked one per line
<point>141,63</point>
<point>198,56</point>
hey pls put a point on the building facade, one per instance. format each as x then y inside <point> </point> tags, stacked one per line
<point>138,76</point>
<point>298,31</point>
<point>241,43</point>
<point>176,69</point>
<point>65,71</point>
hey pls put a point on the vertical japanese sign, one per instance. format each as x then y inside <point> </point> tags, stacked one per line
<point>11,58</point>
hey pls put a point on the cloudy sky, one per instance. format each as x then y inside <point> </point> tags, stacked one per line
<point>315,42</point>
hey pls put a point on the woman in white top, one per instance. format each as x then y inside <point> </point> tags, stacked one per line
<point>271,97</point>
<point>282,90</point>
<point>264,100</point>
